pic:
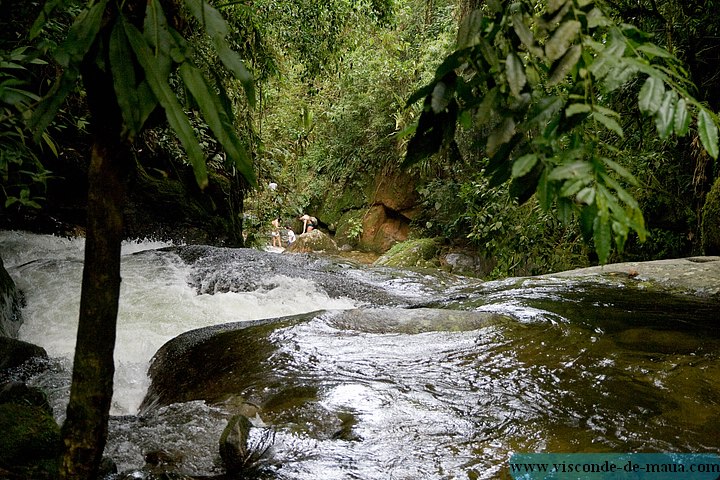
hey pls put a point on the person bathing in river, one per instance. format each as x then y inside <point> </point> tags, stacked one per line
<point>309,223</point>
<point>275,233</point>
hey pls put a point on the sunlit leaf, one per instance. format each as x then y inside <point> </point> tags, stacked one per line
<point>609,123</point>
<point>578,169</point>
<point>523,165</point>
<point>586,195</point>
<point>681,122</point>
<point>571,187</point>
<point>708,131</point>
<point>554,5</point>
<point>561,40</point>
<point>440,97</point>
<point>515,74</point>
<point>665,115</point>
<point>576,108</point>
<point>651,96</point>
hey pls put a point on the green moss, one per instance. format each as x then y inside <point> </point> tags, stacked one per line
<point>412,253</point>
<point>711,221</point>
<point>30,443</point>
<point>338,201</point>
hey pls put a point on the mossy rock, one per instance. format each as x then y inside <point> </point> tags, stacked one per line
<point>30,444</point>
<point>422,252</point>
<point>711,221</point>
<point>337,202</point>
<point>314,241</point>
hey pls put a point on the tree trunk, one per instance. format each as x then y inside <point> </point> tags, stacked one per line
<point>85,428</point>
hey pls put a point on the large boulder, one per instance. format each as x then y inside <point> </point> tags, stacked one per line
<point>420,252</point>
<point>313,241</point>
<point>14,353</point>
<point>30,444</point>
<point>382,228</point>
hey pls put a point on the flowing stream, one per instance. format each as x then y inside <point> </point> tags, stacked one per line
<point>377,373</point>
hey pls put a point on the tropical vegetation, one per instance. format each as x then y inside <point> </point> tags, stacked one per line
<point>540,134</point>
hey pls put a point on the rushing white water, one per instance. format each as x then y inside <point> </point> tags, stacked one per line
<point>156,302</point>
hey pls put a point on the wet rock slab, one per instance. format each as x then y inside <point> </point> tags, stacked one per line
<point>693,275</point>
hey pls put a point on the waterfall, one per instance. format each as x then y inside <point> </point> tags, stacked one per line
<point>156,302</point>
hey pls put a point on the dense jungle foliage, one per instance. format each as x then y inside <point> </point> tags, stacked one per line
<point>331,115</point>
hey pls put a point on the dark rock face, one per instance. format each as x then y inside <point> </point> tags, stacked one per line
<point>10,302</point>
<point>14,353</point>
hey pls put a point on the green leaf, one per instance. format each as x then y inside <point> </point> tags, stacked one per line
<point>609,123</point>
<point>602,235</point>
<point>515,72</point>
<point>571,187</point>
<point>525,35</point>
<point>81,36</point>
<point>654,51</point>
<point>215,116</point>
<point>651,95</point>
<point>469,31</point>
<point>441,96</point>
<point>544,192</point>
<point>576,170</point>
<point>596,18</point>
<point>708,131</point>
<point>665,115</point>
<point>168,100</point>
<point>563,67</point>
<point>123,74</point>
<point>46,110</point>
<point>681,122</point>
<point>560,41</point>
<point>158,36</point>
<point>586,195</point>
<point>217,29</point>
<point>502,134</point>
<point>576,108</point>
<point>554,5</point>
<point>620,170</point>
<point>523,165</point>
<point>232,61</point>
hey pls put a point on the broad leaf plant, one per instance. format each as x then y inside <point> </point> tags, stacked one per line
<point>536,79</point>
<point>159,50</point>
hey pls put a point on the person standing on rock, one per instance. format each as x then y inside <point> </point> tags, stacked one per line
<point>275,233</point>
